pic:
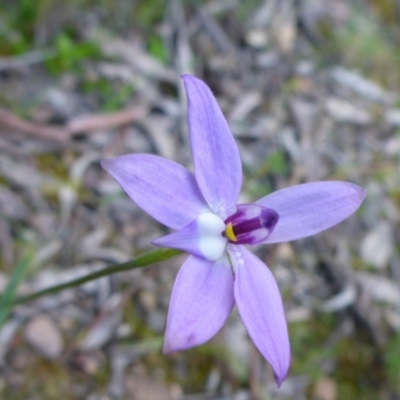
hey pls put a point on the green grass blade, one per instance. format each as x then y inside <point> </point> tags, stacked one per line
<point>7,300</point>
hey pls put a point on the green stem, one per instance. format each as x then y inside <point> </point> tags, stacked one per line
<point>139,262</point>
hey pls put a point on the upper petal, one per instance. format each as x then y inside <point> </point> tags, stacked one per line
<point>310,208</point>
<point>201,301</point>
<point>203,237</point>
<point>260,307</point>
<point>163,188</point>
<point>216,156</point>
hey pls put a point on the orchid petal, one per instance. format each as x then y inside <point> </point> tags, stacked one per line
<point>260,307</point>
<point>163,188</point>
<point>310,208</point>
<point>216,156</point>
<point>201,301</point>
<point>203,237</point>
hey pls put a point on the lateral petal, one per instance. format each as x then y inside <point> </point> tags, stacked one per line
<point>202,238</point>
<point>260,307</point>
<point>201,301</point>
<point>163,188</point>
<point>216,156</point>
<point>310,208</point>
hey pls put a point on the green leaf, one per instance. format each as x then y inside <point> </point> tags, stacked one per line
<point>156,48</point>
<point>7,300</point>
<point>277,163</point>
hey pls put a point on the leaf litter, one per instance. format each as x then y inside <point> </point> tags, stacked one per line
<point>284,81</point>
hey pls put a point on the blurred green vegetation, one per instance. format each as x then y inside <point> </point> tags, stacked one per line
<point>392,361</point>
<point>358,368</point>
<point>70,54</point>
<point>369,41</point>
<point>112,95</point>
<point>53,25</point>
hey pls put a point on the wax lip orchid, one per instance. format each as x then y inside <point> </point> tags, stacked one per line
<point>209,224</point>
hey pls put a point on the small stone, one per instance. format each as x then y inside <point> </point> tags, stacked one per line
<point>325,389</point>
<point>377,245</point>
<point>344,111</point>
<point>257,38</point>
<point>44,336</point>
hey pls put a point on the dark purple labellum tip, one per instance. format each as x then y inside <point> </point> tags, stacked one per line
<point>251,224</point>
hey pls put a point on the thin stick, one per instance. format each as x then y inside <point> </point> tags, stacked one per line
<point>82,124</point>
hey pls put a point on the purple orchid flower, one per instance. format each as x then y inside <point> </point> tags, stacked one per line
<point>211,226</point>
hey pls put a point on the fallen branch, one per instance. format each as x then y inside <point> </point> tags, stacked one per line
<point>78,125</point>
<point>48,132</point>
<point>97,122</point>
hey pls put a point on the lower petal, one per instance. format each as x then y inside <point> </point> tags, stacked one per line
<point>260,307</point>
<point>201,301</point>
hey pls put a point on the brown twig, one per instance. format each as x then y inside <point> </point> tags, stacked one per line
<point>96,122</point>
<point>48,132</point>
<point>81,124</point>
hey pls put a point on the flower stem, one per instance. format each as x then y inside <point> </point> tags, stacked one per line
<point>139,262</point>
